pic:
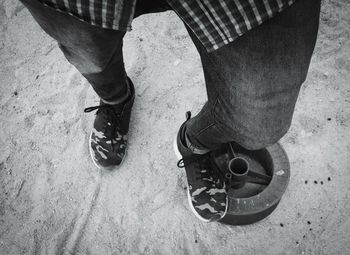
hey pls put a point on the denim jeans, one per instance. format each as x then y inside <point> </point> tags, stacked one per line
<point>252,83</point>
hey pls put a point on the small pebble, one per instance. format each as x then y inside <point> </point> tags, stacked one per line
<point>281,224</point>
<point>195,241</point>
<point>310,229</point>
<point>308,222</point>
<point>321,182</point>
<point>297,242</point>
<point>329,119</point>
<point>15,93</point>
<point>185,188</point>
<point>304,236</point>
<point>305,182</point>
<point>329,179</point>
<point>36,77</point>
<point>315,182</point>
<point>177,62</point>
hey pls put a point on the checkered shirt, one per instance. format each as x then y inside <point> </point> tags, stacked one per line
<point>215,22</point>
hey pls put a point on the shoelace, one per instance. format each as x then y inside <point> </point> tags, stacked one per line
<point>211,171</point>
<point>110,116</point>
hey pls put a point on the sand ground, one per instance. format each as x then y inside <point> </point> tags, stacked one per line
<point>54,201</point>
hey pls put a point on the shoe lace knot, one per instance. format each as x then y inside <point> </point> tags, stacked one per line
<point>208,170</point>
<point>111,117</point>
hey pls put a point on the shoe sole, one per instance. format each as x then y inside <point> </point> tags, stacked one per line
<point>179,156</point>
<point>109,168</point>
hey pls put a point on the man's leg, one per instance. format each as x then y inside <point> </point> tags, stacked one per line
<point>95,52</point>
<point>253,83</point>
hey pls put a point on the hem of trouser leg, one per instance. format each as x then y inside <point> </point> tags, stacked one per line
<point>194,141</point>
<point>193,148</point>
<point>120,100</point>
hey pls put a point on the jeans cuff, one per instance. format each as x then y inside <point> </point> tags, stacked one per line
<point>194,149</point>
<point>120,99</point>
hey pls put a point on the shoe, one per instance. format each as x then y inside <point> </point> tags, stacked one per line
<point>108,138</point>
<point>206,191</point>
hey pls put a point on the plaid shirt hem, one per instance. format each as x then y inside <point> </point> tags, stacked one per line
<point>116,17</point>
<point>214,22</point>
<point>217,24</point>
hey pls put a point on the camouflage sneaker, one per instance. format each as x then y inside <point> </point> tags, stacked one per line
<point>108,138</point>
<point>206,190</point>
